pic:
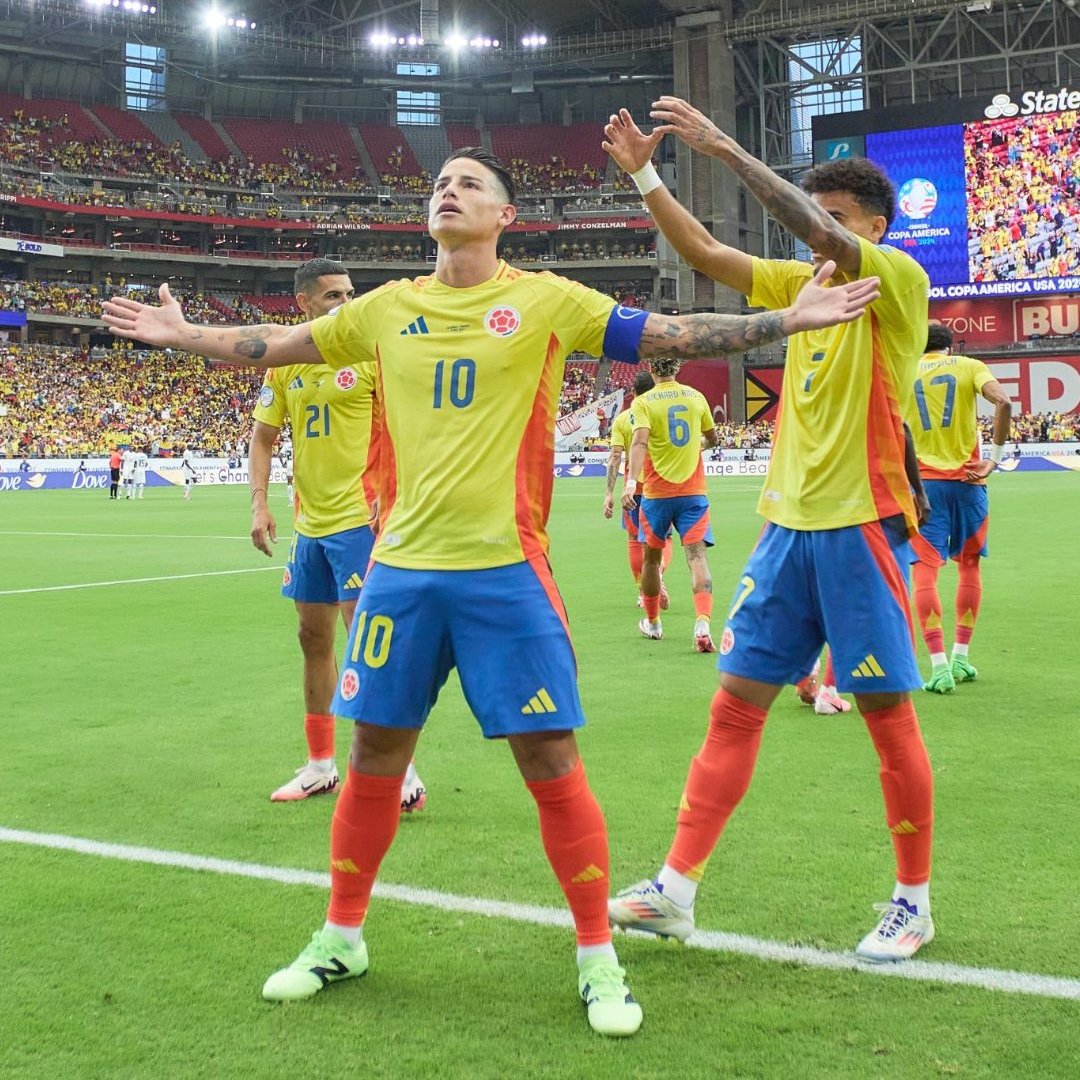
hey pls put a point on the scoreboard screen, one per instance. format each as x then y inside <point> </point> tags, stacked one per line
<point>989,205</point>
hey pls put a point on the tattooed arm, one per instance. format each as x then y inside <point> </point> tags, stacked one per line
<point>789,205</point>
<point>706,334</point>
<point>164,327</point>
<point>613,469</point>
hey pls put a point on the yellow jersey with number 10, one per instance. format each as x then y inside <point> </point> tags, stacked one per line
<point>331,415</point>
<point>469,383</point>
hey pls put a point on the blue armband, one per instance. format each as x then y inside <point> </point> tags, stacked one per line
<point>623,334</point>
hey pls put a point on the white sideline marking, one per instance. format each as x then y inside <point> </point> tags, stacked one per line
<point>138,580</point>
<point>126,536</point>
<point>1013,982</point>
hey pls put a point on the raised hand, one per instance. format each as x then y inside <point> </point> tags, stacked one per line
<point>677,117</point>
<point>631,148</point>
<point>817,306</point>
<point>163,326</point>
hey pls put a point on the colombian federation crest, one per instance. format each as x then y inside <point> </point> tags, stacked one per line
<point>350,684</point>
<point>727,641</point>
<point>502,321</point>
<point>345,379</point>
<point>286,578</point>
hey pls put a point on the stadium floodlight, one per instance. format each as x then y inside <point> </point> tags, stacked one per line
<point>214,18</point>
<point>534,41</point>
<point>455,41</point>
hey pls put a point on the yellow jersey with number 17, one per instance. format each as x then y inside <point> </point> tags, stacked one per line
<point>942,416</point>
<point>838,450</point>
<point>469,383</point>
<point>331,415</point>
<point>675,416</point>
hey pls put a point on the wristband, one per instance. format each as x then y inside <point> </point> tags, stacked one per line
<point>647,179</point>
<point>995,453</point>
<point>255,491</point>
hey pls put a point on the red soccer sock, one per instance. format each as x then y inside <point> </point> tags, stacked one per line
<point>718,779</point>
<point>828,678</point>
<point>365,821</point>
<point>968,597</point>
<point>928,606</point>
<point>703,605</point>
<point>319,729</point>
<point>665,556</point>
<point>636,551</point>
<point>908,786</point>
<point>652,606</point>
<point>575,839</point>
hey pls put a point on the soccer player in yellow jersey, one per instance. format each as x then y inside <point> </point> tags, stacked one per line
<point>671,424</point>
<point>831,563</point>
<point>469,362</point>
<point>621,436</point>
<point>330,414</point>
<point>942,418</point>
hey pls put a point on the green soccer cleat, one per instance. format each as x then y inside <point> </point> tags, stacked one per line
<point>962,670</point>
<point>328,958</point>
<point>941,681</point>
<point>610,1006</point>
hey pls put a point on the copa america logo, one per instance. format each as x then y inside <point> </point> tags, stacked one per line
<point>917,198</point>
<point>1000,105</point>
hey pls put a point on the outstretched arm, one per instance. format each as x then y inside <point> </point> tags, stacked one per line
<point>793,208</point>
<point>164,326</point>
<point>707,335</point>
<point>632,150</point>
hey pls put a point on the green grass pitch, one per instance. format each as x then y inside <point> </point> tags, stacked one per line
<point>161,714</point>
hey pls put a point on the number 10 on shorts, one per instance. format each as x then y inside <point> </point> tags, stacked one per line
<point>372,639</point>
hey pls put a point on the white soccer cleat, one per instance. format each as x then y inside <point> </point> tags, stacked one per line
<point>651,629</point>
<point>665,600</point>
<point>703,641</point>
<point>413,792</point>
<point>309,780</point>
<point>644,907</point>
<point>900,933</point>
<point>828,702</point>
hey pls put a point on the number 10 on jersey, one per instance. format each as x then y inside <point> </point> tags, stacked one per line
<point>455,383</point>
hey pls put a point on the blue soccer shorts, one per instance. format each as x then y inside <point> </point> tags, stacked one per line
<point>327,569</point>
<point>847,587</point>
<point>504,629</point>
<point>959,518</point>
<point>688,515</point>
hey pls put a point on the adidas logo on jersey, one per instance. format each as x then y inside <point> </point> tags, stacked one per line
<point>540,702</point>
<point>296,384</point>
<point>416,327</point>
<point>354,582</point>
<point>868,669</point>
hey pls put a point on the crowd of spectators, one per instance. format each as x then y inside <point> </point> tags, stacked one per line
<point>65,402</point>
<point>1023,178</point>
<point>69,402</point>
<point>32,142</point>
<point>554,175</point>
<point>1049,427</point>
